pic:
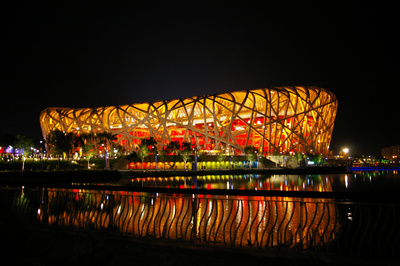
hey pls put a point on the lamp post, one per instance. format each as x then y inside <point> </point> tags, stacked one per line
<point>107,167</point>
<point>345,152</point>
<point>155,166</point>
<point>195,159</point>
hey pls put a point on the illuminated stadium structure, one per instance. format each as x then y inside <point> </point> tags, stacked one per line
<point>274,120</point>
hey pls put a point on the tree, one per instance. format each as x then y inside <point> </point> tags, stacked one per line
<point>146,146</point>
<point>24,145</point>
<point>143,151</point>
<point>107,139</point>
<point>151,143</point>
<point>162,155</point>
<point>173,148</point>
<point>89,139</point>
<point>221,158</point>
<point>89,152</point>
<point>78,142</point>
<point>316,158</point>
<point>185,152</point>
<point>60,142</point>
<point>300,158</point>
<point>251,153</point>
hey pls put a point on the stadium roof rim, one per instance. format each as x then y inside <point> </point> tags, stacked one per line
<point>278,88</point>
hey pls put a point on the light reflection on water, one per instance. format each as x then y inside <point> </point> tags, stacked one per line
<point>245,182</point>
<point>369,181</point>
<point>230,220</point>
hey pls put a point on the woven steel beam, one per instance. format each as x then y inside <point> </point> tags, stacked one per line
<point>274,120</point>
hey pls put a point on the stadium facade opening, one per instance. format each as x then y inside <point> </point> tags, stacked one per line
<point>273,120</point>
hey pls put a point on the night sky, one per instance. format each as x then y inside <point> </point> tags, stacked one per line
<point>82,55</point>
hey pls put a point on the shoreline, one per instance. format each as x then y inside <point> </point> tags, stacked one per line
<point>89,176</point>
<point>266,171</point>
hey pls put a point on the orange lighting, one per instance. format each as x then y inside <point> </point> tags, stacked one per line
<point>274,120</point>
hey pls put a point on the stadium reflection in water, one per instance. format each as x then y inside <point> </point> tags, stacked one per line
<point>230,220</point>
<point>313,221</point>
<point>242,182</point>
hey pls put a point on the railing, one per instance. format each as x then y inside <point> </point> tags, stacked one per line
<point>328,222</point>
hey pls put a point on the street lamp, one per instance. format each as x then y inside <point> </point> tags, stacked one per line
<point>194,165</point>
<point>155,166</point>
<point>345,152</point>
<point>106,161</point>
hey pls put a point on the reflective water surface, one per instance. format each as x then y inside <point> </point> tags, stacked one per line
<point>229,220</point>
<point>263,221</point>
<point>369,181</point>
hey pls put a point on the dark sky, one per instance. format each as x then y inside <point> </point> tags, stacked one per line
<point>82,55</point>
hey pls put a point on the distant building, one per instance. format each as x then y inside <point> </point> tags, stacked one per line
<point>392,153</point>
<point>274,120</point>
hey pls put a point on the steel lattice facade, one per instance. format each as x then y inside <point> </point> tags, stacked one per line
<point>274,120</point>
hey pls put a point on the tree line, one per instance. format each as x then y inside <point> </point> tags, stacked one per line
<point>65,144</point>
<point>62,144</point>
<point>183,151</point>
<point>148,146</point>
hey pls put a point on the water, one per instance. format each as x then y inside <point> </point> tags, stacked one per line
<point>245,221</point>
<point>362,181</point>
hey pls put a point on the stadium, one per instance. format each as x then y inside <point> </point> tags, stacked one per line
<point>279,120</point>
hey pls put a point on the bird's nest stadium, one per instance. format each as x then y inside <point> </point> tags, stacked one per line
<point>273,120</point>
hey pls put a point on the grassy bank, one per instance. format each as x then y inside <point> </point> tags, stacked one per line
<point>52,165</point>
<point>64,171</point>
<point>74,175</point>
<point>57,177</point>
